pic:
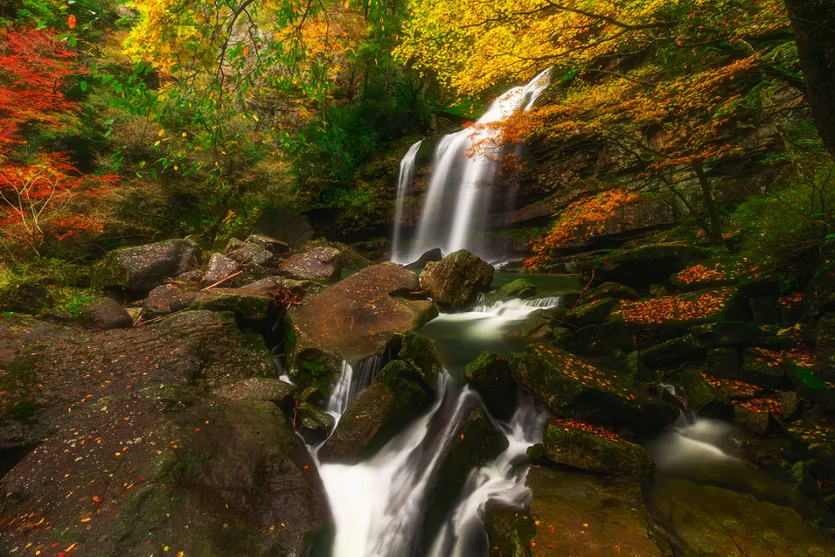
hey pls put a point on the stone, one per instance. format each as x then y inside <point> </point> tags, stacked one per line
<point>520,289</point>
<point>589,516</point>
<point>163,300</point>
<point>253,252</point>
<point>196,473</point>
<point>810,386</point>
<point>765,310</point>
<point>265,389</point>
<point>455,282</point>
<point>432,255</point>
<point>674,352</point>
<point>323,264</point>
<point>595,312</point>
<point>395,397</point>
<point>31,298</point>
<point>509,530</point>
<point>702,397</point>
<point>595,449</point>
<point>315,424</point>
<point>726,333</point>
<point>105,313</point>
<point>762,367</point>
<point>639,369</point>
<point>642,266</point>
<point>419,351</point>
<point>610,290</point>
<point>573,388</point>
<point>825,349</point>
<point>351,259</point>
<point>723,362</point>
<point>351,320</point>
<point>539,324</point>
<point>77,366</point>
<point>490,376</point>
<point>142,268</point>
<point>249,305</point>
<point>219,268</point>
<point>751,420</point>
<point>603,339</point>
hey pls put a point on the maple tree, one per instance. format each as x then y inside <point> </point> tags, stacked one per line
<point>42,194</point>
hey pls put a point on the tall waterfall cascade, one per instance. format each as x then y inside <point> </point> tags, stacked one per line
<point>465,170</point>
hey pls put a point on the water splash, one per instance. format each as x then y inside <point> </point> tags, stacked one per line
<point>463,178</point>
<point>405,180</point>
<point>693,442</point>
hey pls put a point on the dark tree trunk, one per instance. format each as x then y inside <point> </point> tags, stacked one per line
<point>814,27</point>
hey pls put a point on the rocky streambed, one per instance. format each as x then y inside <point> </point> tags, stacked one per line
<point>656,402</point>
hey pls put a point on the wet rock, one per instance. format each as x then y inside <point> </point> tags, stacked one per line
<point>642,266</point>
<point>144,267</point>
<point>509,531</point>
<point>723,362</point>
<point>352,320</point>
<point>595,312</point>
<point>610,290</point>
<point>572,388</point>
<point>249,305</point>
<point>674,352</point>
<point>762,367</point>
<point>163,300</point>
<point>595,449</point>
<point>490,376</point>
<point>809,385</point>
<point>419,351</point>
<point>589,516</point>
<point>702,397</point>
<point>105,313</point>
<point>518,289</point>
<point>456,281</point>
<point>604,339</point>
<point>260,388</point>
<point>31,298</point>
<point>726,333</point>
<point>218,268</point>
<point>711,520</point>
<point>432,255</point>
<point>196,474</point>
<point>474,441</point>
<point>395,397</point>
<point>324,264</point>
<point>538,324</point>
<point>49,381</point>
<point>315,424</point>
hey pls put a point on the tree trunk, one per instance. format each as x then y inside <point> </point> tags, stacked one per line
<point>814,28</point>
<point>715,232</point>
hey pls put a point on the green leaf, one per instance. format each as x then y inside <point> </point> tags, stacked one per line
<point>83,85</point>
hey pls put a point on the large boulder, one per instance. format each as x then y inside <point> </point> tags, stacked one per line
<point>456,281</point>
<point>50,380</point>
<point>395,397</point>
<point>603,339</point>
<point>432,255</point>
<point>32,298</point>
<point>165,471</point>
<point>248,305</point>
<point>105,313</point>
<point>266,389</point>
<point>573,388</point>
<point>141,268</point>
<point>163,300</point>
<point>491,378</point>
<point>323,264</point>
<point>351,320</point>
<point>595,449</point>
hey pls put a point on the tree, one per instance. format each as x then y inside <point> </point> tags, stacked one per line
<point>814,25</point>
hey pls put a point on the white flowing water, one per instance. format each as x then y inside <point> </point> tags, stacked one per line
<point>690,443</point>
<point>405,181</point>
<point>351,384</point>
<point>486,321</point>
<point>462,176</point>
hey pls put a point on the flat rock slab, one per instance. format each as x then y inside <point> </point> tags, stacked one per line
<point>587,516</point>
<point>52,378</point>
<point>169,470</point>
<point>355,317</point>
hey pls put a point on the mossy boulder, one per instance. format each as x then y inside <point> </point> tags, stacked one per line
<point>248,305</point>
<point>513,290</point>
<point>594,449</point>
<point>809,385</point>
<point>490,376</point>
<point>589,516</point>
<point>352,320</point>
<point>762,367</point>
<point>31,297</point>
<point>703,398</point>
<point>141,268</point>
<point>674,352</point>
<point>170,469</point>
<point>509,530</point>
<point>573,388</point>
<point>455,281</point>
<point>726,333</point>
<point>603,338</point>
<point>539,324</point>
<point>49,381</point>
<point>395,397</point>
<point>723,362</point>
<point>419,351</point>
<point>314,423</point>
<point>642,266</point>
<point>594,312</point>
<point>610,290</point>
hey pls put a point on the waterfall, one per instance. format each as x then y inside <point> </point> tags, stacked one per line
<point>405,181</point>
<point>462,179</point>
<point>351,384</point>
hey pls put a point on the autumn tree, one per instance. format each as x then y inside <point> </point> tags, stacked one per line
<point>673,89</point>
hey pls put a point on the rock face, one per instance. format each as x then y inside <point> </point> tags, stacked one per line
<point>251,305</point>
<point>163,300</point>
<point>260,388</point>
<point>50,380</point>
<point>351,320</point>
<point>456,281</point>
<point>169,469</point>
<point>32,298</point>
<point>324,264</point>
<point>218,268</point>
<point>581,514</point>
<point>575,389</point>
<point>432,255</point>
<point>596,450</point>
<point>144,267</point>
<point>490,376</point>
<point>106,313</point>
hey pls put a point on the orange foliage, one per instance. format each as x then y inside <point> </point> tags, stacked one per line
<point>580,221</point>
<point>683,307</point>
<point>597,430</point>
